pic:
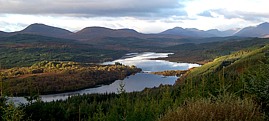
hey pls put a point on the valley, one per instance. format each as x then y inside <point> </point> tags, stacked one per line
<point>106,74</point>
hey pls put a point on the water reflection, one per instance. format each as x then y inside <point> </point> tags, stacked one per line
<point>132,83</point>
<point>144,61</point>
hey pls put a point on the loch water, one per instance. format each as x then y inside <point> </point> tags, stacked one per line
<point>146,61</point>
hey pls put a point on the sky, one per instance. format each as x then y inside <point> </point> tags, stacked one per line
<point>146,16</point>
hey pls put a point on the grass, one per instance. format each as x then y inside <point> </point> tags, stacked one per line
<point>231,62</point>
<point>227,107</point>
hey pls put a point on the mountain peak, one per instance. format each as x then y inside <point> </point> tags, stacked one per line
<point>129,30</point>
<point>37,26</point>
<point>260,30</point>
<point>213,30</point>
<point>187,32</point>
<point>178,28</point>
<point>102,32</point>
<point>46,30</point>
<point>263,25</point>
<point>95,28</point>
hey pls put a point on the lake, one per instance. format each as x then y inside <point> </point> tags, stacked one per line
<point>136,82</point>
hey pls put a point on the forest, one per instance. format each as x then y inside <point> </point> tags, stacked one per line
<point>25,49</point>
<point>48,77</point>
<point>230,87</point>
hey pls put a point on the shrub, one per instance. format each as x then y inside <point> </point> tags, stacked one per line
<point>222,108</point>
<point>257,81</point>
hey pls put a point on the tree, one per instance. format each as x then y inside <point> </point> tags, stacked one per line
<point>12,113</point>
<point>1,81</point>
<point>118,64</point>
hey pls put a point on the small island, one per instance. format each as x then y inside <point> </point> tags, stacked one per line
<point>170,72</point>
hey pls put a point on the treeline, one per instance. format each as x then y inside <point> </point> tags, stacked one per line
<point>53,77</point>
<point>170,73</point>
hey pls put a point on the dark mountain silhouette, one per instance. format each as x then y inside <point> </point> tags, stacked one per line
<point>45,30</point>
<point>102,32</point>
<point>225,33</point>
<point>2,34</point>
<point>193,32</point>
<point>188,32</point>
<point>260,30</point>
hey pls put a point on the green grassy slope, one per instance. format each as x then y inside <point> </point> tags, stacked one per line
<point>235,63</point>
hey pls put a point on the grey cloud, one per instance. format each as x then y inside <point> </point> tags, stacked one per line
<point>205,14</point>
<point>258,17</point>
<point>151,8</point>
<point>177,19</point>
<point>249,16</point>
<point>8,27</point>
<point>227,14</point>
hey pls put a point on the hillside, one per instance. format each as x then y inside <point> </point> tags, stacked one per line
<point>45,30</point>
<point>260,30</point>
<point>25,50</point>
<point>234,64</point>
<point>2,34</point>
<point>205,52</point>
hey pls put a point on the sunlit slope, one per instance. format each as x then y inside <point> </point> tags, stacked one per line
<point>233,64</point>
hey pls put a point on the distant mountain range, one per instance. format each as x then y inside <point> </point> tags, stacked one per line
<point>192,32</point>
<point>96,33</point>
<point>101,32</point>
<point>262,30</point>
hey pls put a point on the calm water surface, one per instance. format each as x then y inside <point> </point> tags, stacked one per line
<point>136,82</point>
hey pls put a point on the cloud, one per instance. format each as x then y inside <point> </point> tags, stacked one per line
<point>246,15</point>
<point>6,26</point>
<point>93,8</point>
<point>206,14</point>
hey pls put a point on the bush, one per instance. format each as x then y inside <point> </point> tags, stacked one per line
<point>258,84</point>
<point>223,108</point>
